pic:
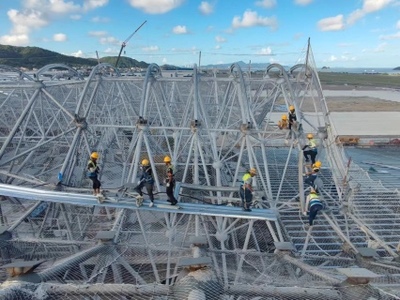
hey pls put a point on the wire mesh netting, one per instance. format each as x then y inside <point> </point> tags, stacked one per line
<point>57,240</point>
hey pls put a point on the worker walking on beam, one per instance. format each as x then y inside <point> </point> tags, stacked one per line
<point>246,191</point>
<point>283,122</point>
<point>93,171</point>
<point>170,180</point>
<point>292,118</point>
<point>313,206</point>
<point>146,180</point>
<point>310,150</point>
<point>311,177</point>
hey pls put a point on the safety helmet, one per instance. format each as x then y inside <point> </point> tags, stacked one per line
<point>291,108</point>
<point>310,136</point>
<point>317,164</point>
<point>167,159</point>
<point>253,171</point>
<point>284,117</point>
<point>94,155</point>
<point>145,162</point>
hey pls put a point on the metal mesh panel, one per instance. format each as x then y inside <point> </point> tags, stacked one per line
<point>57,240</point>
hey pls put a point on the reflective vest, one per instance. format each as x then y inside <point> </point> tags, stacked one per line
<point>312,144</point>
<point>92,165</point>
<point>246,179</point>
<point>314,200</point>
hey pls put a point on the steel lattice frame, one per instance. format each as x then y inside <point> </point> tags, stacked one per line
<point>214,126</point>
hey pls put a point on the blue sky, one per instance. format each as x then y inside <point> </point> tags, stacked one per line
<point>343,33</point>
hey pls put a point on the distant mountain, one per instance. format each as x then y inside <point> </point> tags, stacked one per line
<point>124,62</point>
<point>35,57</point>
<point>242,64</point>
<point>396,69</point>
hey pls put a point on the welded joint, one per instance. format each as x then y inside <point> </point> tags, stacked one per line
<point>245,127</point>
<point>80,122</point>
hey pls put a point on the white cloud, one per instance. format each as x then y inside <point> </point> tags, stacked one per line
<point>75,17</point>
<point>341,58</point>
<point>265,51</point>
<point>331,24</point>
<point>164,60</point>
<point>60,37</point>
<point>217,47</point>
<point>302,2</point>
<point>16,39</point>
<point>156,6</point>
<point>151,49</point>
<point>368,7</point>
<point>266,3</point>
<point>220,39</point>
<point>93,4</point>
<point>98,33</point>
<point>179,29</point>
<point>394,36</point>
<point>109,40</point>
<point>251,19</point>
<point>398,25</point>
<point>206,8</point>
<point>79,53</point>
<point>380,48</point>
<point>36,14</point>
<point>25,22</point>
<point>100,20</point>
<point>110,50</point>
<point>332,58</point>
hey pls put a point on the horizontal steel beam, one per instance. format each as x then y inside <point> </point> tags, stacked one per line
<point>90,200</point>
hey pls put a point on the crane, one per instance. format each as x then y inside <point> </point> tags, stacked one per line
<point>126,42</point>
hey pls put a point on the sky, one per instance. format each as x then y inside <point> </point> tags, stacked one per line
<point>342,33</point>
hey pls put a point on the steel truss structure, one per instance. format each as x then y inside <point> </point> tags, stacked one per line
<point>56,239</point>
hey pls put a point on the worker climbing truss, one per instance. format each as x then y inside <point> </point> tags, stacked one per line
<point>56,239</point>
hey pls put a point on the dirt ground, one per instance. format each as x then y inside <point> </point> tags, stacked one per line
<point>345,104</point>
<point>340,104</point>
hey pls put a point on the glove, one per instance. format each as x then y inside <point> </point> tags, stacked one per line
<point>167,185</point>
<point>139,182</point>
<point>92,169</point>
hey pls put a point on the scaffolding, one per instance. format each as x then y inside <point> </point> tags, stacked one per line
<point>57,240</point>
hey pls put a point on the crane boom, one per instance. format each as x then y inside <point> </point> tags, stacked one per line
<point>126,42</point>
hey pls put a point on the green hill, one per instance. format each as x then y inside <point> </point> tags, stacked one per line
<point>124,62</point>
<point>35,57</point>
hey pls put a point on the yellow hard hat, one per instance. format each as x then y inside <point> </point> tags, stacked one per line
<point>310,136</point>
<point>291,108</point>
<point>145,162</point>
<point>253,171</point>
<point>167,159</point>
<point>94,155</point>
<point>284,117</point>
<point>317,164</point>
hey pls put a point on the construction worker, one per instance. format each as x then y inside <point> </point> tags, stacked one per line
<point>283,122</point>
<point>313,206</point>
<point>93,171</point>
<point>170,180</point>
<point>146,180</point>
<point>312,176</point>
<point>246,191</point>
<point>292,117</point>
<point>310,150</point>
